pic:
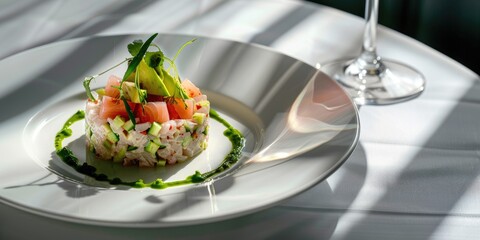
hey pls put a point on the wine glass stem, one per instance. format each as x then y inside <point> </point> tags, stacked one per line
<point>369,60</point>
<point>370,32</point>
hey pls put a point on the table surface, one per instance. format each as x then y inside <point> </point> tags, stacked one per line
<point>414,174</point>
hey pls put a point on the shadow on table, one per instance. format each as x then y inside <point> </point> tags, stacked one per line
<point>436,178</point>
<point>128,7</point>
<point>344,186</point>
<point>272,223</point>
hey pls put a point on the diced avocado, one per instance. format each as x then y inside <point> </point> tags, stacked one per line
<point>187,128</point>
<point>173,84</point>
<point>100,91</point>
<point>107,127</point>
<point>107,144</point>
<point>133,94</point>
<point>120,155</point>
<point>199,117</point>
<point>151,147</point>
<point>161,163</point>
<point>204,103</point>
<point>88,130</point>
<point>155,129</point>
<point>157,141</point>
<point>186,141</point>
<point>149,80</point>
<point>131,148</point>
<point>111,136</point>
<point>118,122</point>
<point>128,125</point>
<point>91,148</point>
<point>204,145</point>
<point>206,130</point>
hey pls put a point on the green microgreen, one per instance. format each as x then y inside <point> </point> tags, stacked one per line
<point>87,80</point>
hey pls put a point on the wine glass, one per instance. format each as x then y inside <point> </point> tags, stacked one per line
<point>369,79</point>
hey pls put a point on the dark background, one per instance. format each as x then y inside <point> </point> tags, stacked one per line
<point>452,27</point>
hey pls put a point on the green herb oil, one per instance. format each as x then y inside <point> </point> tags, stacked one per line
<point>67,156</point>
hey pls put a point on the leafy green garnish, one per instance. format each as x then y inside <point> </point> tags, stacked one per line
<point>136,60</point>
<point>131,116</point>
<point>134,47</point>
<point>154,59</point>
<point>142,96</point>
<point>86,85</point>
<point>182,47</point>
<point>131,67</point>
<point>179,91</point>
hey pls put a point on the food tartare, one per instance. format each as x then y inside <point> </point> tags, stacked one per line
<point>150,116</point>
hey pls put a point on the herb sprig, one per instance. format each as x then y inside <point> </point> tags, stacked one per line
<point>87,80</point>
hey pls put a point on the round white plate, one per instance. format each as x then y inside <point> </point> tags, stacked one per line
<point>300,127</point>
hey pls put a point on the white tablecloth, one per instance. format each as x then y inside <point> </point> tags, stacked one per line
<point>414,174</point>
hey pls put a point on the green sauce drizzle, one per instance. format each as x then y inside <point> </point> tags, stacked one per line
<point>66,131</point>
<point>238,142</point>
<point>67,156</point>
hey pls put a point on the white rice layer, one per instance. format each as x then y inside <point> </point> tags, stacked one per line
<point>180,139</point>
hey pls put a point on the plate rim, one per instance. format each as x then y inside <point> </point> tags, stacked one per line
<point>217,217</point>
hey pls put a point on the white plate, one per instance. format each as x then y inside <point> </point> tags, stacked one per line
<point>300,127</point>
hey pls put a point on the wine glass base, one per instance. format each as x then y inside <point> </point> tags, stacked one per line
<point>396,83</point>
